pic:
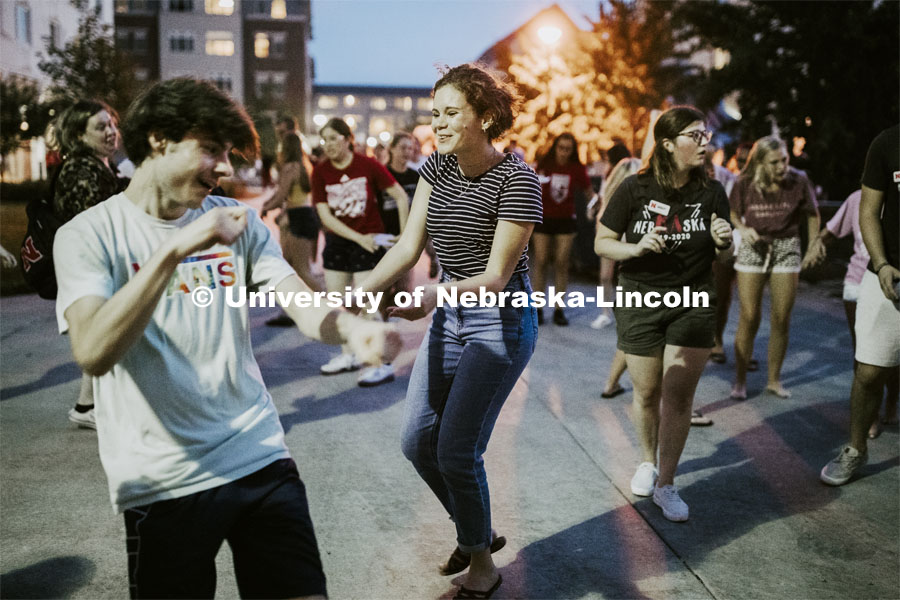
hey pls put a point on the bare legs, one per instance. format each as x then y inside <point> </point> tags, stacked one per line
<point>664,388</point>
<point>783,287</point>
<point>86,393</point>
<point>560,245</point>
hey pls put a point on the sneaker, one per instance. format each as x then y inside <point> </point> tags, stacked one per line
<point>85,420</point>
<point>601,321</point>
<point>559,318</point>
<point>376,376</point>
<point>841,469</point>
<point>673,507</point>
<point>644,479</point>
<point>340,364</point>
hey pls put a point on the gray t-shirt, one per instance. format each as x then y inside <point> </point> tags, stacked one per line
<point>185,409</point>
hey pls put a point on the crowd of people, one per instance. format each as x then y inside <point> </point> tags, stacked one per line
<point>184,419</point>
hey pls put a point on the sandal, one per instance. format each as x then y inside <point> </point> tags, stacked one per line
<point>615,392</point>
<point>459,560</point>
<point>465,593</point>
<point>698,419</point>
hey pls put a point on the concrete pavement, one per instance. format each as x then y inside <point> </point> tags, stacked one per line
<point>559,463</point>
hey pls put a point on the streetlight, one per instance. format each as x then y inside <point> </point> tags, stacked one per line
<point>549,34</point>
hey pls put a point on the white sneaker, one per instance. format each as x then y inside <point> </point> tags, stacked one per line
<point>644,479</point>
<point>340,364</point>
<point>376,376</point>
<point>84,420</point>
<point>673,507</point>
<point>602,321</point>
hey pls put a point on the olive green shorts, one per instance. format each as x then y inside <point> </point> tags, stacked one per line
<point>643,330</point>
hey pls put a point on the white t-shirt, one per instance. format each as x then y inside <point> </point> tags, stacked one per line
<point>185,409</point>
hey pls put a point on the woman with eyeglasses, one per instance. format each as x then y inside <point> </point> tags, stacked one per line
<point>768,204</point>
<point>675,220</point>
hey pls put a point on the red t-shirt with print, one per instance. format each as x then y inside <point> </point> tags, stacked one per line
<point>558,184</point>
<point>351,192</point>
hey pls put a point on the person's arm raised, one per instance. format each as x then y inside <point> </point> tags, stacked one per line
<point>101,330</point>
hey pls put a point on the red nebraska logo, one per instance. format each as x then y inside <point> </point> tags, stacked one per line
<point>29,254</point>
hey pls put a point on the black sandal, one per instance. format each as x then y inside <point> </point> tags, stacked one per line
<point>459,560</point>
<point>465,593</point>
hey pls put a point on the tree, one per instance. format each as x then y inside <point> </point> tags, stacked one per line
<point>19,103</point>
<point>826,71</point>
<point>601,84</point>
<point>90,65</point>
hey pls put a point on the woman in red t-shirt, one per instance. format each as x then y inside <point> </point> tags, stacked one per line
<point>344,189</point>
<point>769,203</point>
<point>561,173</point>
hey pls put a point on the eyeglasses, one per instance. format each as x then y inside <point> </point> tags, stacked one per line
<point>698,136</point>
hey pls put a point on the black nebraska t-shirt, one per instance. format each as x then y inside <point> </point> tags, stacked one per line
<point>640,204</point>
<point>882,173</point>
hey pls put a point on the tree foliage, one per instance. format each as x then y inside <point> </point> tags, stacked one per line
<point>19,101</point>
<point>827,71</point>
<point>601,84</point>
<point>90,65</point>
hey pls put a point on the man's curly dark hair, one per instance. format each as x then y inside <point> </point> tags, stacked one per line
<point>175,108</point>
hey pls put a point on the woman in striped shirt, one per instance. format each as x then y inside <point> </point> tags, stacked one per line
<point>479,206</point>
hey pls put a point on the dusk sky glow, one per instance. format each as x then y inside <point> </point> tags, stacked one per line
<point>398,42</point>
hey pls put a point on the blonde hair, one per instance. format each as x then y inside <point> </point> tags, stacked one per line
<point>754,168</point>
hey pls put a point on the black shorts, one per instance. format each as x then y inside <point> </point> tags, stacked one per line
<point>340,254</point>
<point>642,331</point>
<point>172,544</point>
<point>303,222</point>
<point>556,226</point>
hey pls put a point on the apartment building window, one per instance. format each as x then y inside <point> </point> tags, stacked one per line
<point>275,9</point>
<point>378,103</point>
<point>222,81</point>
<point>181,5</point>
<point>424,104</point>
<point>23,23</point>
<point>219,43</point>
<point>270,83</point>
<point>269,44</point>
<point>219,7</point>
<point>279,9</point>
<point>124,7</point>
<point>53,36</point>
<point>181,42</point>
<point>403,103</point>
<point>132,40</point>
<point>328,102</point>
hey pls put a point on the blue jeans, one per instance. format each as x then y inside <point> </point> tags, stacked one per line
<point>467,365</point>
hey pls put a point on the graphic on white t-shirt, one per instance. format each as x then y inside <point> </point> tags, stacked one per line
<point>559,187</point>
<point>348,199</point>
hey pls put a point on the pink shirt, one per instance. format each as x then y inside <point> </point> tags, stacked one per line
<point>844,222</point>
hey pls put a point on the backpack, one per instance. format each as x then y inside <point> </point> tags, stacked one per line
<point>37,247</point>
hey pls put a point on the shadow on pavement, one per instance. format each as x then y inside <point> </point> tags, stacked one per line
<point>52,578</point>
<point>57,375</point>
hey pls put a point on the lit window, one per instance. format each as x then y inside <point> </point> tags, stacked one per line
<point>219,43</point>
<point>320,120</point>
<point>279,9</point>
<point>328,102</point>
<point>132,6</point>
<point>403,103</point>
<point>349,100</point>
<point>424,104</point>
<point>377,125</point>
<point>219,7</point>
<point>378,103</point>
<point>261,45</point>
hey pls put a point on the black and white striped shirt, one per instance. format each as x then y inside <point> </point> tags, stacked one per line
<point>463,213</point>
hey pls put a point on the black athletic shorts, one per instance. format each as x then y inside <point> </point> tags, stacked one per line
<point>340,254</point>
<point>557,226</point>
<point>264,517</point>
<point>303,222</point>
<point>641,331</point>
